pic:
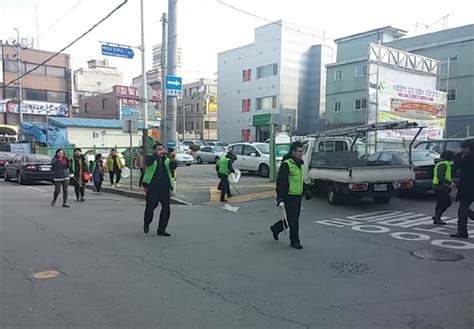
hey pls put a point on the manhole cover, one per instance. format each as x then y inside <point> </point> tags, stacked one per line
<point>351,268</point>
<point>439,255</point>
<point>46,275</point>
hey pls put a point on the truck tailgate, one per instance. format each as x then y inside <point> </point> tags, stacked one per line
<point>375,174</point>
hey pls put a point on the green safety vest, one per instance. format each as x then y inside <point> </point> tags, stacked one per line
<point>110,163</point>
<point>73,165</point>
<point>150,172</point>
<point>435,171</point>
<point>224,166</point>
<point>295,178</point>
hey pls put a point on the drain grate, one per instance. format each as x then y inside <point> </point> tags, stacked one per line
<point>351,268</point>
<point>438,255</point>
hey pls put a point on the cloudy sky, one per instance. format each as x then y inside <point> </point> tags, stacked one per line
<point>206,27</point>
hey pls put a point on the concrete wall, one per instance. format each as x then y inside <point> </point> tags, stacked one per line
<point>84,137</point>
<point>95,108</point>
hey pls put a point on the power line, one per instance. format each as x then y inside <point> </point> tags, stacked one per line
<point>70,44</point>
<point>270,21</point>
<point>62,17</point>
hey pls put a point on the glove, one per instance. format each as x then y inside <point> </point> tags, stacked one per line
<point>71,175</point>
<point>308,195</point>
<point>278,201</point>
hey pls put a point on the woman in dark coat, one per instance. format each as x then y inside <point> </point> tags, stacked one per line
<point>60,165</point>
<point>77,168</point>
<point>465,163</point>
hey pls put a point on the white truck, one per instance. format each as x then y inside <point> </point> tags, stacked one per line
<point>335,163</point>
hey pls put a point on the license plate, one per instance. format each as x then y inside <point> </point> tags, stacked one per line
<point>380,187</point>
<point>45,168</point>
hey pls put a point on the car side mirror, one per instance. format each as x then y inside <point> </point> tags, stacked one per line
<point>253,154</point>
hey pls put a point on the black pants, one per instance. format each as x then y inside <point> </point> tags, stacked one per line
<point>142,172</point>
<point>117,174</point>
<point>98,185</point>
<point>224,186</point>
<point>443,202</point>
<point>463,213</point>
<point>153,198</point>
<point>78,188</point>
<point>57,189</point>
<point>293,209</point>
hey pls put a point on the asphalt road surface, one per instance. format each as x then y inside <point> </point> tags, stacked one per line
<point>222,269</point>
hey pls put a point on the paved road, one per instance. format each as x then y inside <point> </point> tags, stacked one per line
<point>223,270</point>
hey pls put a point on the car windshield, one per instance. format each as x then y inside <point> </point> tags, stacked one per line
<point>37,158</point>
<point>219,148</point>
<point>264,148</point>
<point>200,143</point>
<point>420,156</point>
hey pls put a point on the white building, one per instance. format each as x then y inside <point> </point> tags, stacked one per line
<point>88,133</point>
<point>157,58</point>
<point>98,78</point>
<point>279,78</point>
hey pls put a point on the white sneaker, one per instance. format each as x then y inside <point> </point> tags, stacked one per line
<point>117,185</point>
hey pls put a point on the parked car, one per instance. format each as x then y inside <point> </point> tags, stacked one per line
<point>423,164</point>
<point>29,167</point>
<point>190,142</point>
<point>4,158</point>
<point>252,157</point>
<point>184,159</point>
<point>441,145</point>
<point>210,154</point>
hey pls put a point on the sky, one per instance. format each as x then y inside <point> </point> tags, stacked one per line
<point>207,27</point>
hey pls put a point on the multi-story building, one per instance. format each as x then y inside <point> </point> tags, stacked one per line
<point>197,109</point>
<point>157,58</point>
<point>98,78</point>
<point>278,79</point>
<point>46,90</point>
<point>454,48</point>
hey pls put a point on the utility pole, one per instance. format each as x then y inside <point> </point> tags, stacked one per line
<point>20,96</point>
<point>164,46</point>
<point>172,101</point>
<point>144,85</point>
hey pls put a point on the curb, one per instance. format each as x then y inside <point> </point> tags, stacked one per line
<point>132,194</point>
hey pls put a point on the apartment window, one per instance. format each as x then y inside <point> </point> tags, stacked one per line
<point>56,96</point>
<point>189,126</point>
<point>99,83</point>
<point>360,104</point>
<point>453,58</point>
<point>95,135</point>
<point>198,126</point>
<point>193,91</point>
<point>180,126</point>
<point>86,107</point>
<point>12,66</point>
<point>212,125</point>
<point>338,75</point>
<point>245,135</point>
<point>54,71</point>
<point>246,75</point>
<point>104,104</point>
<point>11,92</point>
<point>267,70</point>
<point>337,106</point>
<point>361,71</point>
<point>266,103</point>
<point>246,105</point>
<point>452,93</point>
<point>35,95</point>
<point>188,108</point>
<point>197,108</point>
<point>41,70</point>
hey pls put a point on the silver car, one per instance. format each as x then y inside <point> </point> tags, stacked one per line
<point>210,154</point>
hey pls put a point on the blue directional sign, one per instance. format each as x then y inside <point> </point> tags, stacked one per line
<point>116,51</point>
<point>174,83</point>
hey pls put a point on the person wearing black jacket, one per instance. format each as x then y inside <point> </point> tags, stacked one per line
<point>158,183</point>
<point>465,163</point>
<point>78,167</point>
<point>60,165</point>
<point>290,190</point>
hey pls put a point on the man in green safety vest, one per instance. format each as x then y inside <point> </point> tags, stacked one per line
<point>158,183</point>
<point>442,185</point>
<point>290,190</point>
<point>224,168</point>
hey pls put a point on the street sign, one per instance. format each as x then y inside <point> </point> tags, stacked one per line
<point>130,126</point>
<point>116,51</point>
<point>261,120</point>
<point>174,83</point>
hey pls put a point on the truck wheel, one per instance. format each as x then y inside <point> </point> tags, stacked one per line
<point>382,199</point>
<point>333,195</point>
<point>263,170</point>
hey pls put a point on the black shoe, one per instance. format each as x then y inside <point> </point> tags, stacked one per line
<point>230,195</point>
<point>146,228</point>
<point>224,200</point>
<point>53,203</point>
<point>438,222</point>
<point>275,234</point>
<point>77,199</point>
<point>82,199</point>
<point>461,236</point>
<point>163,233</point>
<point>65,206</point>
<point>296,246</point>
